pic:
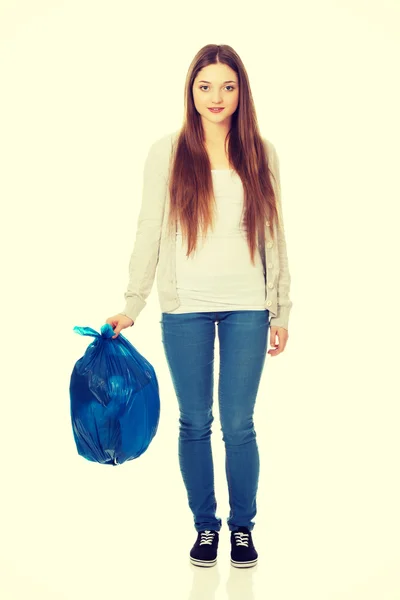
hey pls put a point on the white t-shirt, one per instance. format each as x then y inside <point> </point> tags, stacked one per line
<point>219,276</point>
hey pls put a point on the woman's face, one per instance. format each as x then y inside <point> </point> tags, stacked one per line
<point>216,86</point>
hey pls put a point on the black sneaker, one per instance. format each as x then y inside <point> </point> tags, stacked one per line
<point>204,551</point>
<point>243,553</point>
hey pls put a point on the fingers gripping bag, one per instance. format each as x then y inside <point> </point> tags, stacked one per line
<point>115,402</point>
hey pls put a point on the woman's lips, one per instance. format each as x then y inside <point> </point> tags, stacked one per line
<point>216,110</point>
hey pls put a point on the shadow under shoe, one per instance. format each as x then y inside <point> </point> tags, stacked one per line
<point>204,550</point>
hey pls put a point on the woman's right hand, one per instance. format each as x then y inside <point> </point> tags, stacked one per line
<point>119,322</point>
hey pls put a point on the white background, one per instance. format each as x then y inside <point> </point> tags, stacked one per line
<point>86,88</point>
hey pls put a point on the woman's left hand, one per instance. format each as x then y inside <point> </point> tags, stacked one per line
<point>282,334</point>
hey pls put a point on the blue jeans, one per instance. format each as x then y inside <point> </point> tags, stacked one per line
<point>188,341</point>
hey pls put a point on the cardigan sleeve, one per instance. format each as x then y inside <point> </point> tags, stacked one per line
<point>284,301</point>
<point>145,253</point>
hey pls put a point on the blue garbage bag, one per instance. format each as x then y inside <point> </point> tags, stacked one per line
<point>115,402</point>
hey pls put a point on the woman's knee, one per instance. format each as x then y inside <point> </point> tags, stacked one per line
<point>196,425</point>
<point>237,432</point>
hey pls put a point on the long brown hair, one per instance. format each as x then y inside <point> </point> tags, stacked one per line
<point>190,180</point>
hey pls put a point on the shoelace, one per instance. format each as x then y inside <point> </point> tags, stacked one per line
<point>207,537</point>
<point>241,539</point>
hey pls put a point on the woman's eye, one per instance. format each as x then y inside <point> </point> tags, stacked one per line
<point>231,86</point>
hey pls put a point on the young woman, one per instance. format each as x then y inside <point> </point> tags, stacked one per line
<point>216,173</point>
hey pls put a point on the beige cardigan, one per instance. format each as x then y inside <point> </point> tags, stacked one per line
<point>154,248</point>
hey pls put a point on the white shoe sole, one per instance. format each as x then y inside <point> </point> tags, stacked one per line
<point>203,563</point>
<point>242,564</point>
